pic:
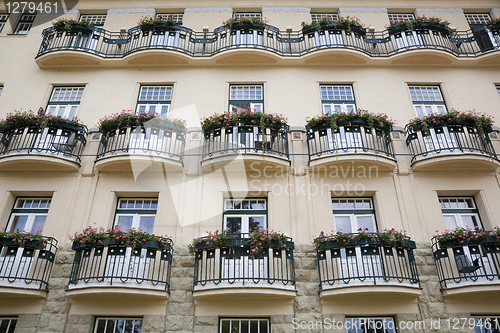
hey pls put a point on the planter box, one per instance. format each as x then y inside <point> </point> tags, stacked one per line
<point>31,244</point>
<point>397,30</point>
<point>59,28</point>
<point>151,245</point>
<point>68,126</point>
<point>81,28</point>
<point>409,244</point>
<point>236,242</point>
<point>146,28</point>
<point>491,240</point>
<point>309,30</point>
<point>165,27</point>
<point>358,30</point>
<point>447,244</point>
<point>246,25</point>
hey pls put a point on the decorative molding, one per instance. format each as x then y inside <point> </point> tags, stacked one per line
<point>438,10</point>
<point>132,10</point>
<point>286,9</point>
<point>208,10</point>
<point>363,10</point>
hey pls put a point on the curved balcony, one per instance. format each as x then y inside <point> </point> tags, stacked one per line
<point>58,47</point>
<point>229,269</point>
<point>367,267</point>
<point>353,143</point>
<point>57,147</point>
<point>107,268</point>
<point>469,267</point>
<point>25,270</point>
<point>123,148</point>
<point>450,146</point>
<point>248,144</point>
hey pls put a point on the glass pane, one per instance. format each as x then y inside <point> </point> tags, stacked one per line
<point>125,222</point>
<point>450,222</point>
<point>101,325</point>
<point>469,203</point>
<point>146,204</point>
<point>19,223</point>
<point>154,204</point>
<point>164,110</point>
<point>12,326</point>
<point>72,114</point>
<point>147,224</point>
<point>38,223</point>
<point>129,325</point>
<point>253,204</point>
<point>229,204</point>
<point>254,326</point>
<point>255,222</point>
<point>245,204</point>
<point>418,110</point>
<point>130,204</point>
<point>233,224</point>
<point>470,221</point>
<point>119,326</point>
<point>235,326</point>
<point>262,204</point>
<point>365,222</point>
<point>35,204</point>
<point>343,223</point>
<point>224,326</point>
<point>327,108</point>
<point>4,324</point>
<point>237,204</point>
<point>137,326</point>
<point>245,326</point>
<point>343,204</point>
<point>110,326</point>
<point>263,326</point>
<point>20,203</point>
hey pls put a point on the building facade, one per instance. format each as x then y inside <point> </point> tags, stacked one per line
<point>304,176</point>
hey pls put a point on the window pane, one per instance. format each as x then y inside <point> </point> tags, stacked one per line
<point>366,222</point>
<point>255,222</point>
<point>147,224</point>
<point>263,326</point>
<point>38,223</point>
<point>125,222</point>
<point>19,223</point>
<point>450,222</point>
<point>233,224</point>
<point>470,221</point>
<point>343,223</point>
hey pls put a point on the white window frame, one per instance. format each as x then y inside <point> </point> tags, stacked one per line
<point>482,19</point>
<point>135,212</point>
<point>20,209</point>
<point>177,17</point>
<point>496,86</point>
<point>3,20</point>
<point>335,103</point>
<point>11,326</point>
<point>425,106</point>
<point>316,17</point>
<point>247,14</point>
<point>238,322</point>
<point>162,103</point>
<point>487,324</point>
<point>235,208</point>
<point>451,206</point>
<point>354,212</point>
<point>255,104</point>
<point>96,19</point>
<point>116,319</point>
<point>1,90</point>
<point>359,325</point>
<point>66,105</point>
<point>25,23</point>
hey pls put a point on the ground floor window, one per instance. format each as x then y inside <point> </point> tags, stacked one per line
<point>244,325</point>
<point>118,325</point>
<point>371,325</point>
<point>8,324</point>
<point>487,324</point>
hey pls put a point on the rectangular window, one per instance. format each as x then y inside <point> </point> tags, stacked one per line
<point>1,90</point>
<point>3,20</point>
<point>427,100</point>
<point>352,214</point>
<point>459,212</point>
<point>393,18</point>
<point>337,99</point>
<point>155,99</point>
<point>64,101</point>
<point>8,324</point>
<point>485,39</point>
<point>248,15</point>
<point>477,18</point>
<point>118,325</point>
<point>244,325</point>
<point>97,20</point>
<point>137,213</point>
<point>316,17</point>
<point>486,324</point>
<point>176,17</point>
<point>242,97</point>
<point>24,24</point>
<point>371,325</point>
<point>29,214</point>
<point>242,216</point>
<point>498,89</point>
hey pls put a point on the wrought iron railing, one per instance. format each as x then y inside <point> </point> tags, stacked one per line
<point>205,44</point>
<point>246,139</point>
<point>230,265</point>
<point>351,139</point>
<point>467,264</point>
<point>366,263</point>
<point>448,139</point>
<point>149,139</point>
<point>111,265</point>
<point>59,140</point>
<point>26,266</point>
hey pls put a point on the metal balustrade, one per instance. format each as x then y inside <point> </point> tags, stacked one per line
<point>246,139</point>
<point>26,266</point>
<point>149,140</point>
<point>297,43</point>
<point>367,263</point>
<point>447,139</point>
<point>108,265</point>
<point>59,140</point>
<point>230,265</point>
<point>467,264</point>
<point>355,138</point>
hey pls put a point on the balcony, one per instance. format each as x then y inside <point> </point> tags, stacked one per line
<point>122,148</point>
<point>350,143</point>
<point>25,270</point>
<point>472,266</point>
<point>367,267</point>
<point>250,144</point>
<point>178,45</point>
<point>57,147</point>
<point>451,146</point>
<point>108,268</point>
<point>229,269</point>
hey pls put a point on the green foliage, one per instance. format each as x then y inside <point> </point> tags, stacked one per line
<point>346,23</point>
<point>21,237</point>
<point>261,237</point>
<point>229,119</point>
<point>240,20</point>
<point>460,235</point>
<point>411,24</point>
<point>22,118</point>
<point>214,239</point>
<point>68,23</point>
<point>334,120</point>
<point>389,237</point>
<point>150,20</point>
<point>129,118</point>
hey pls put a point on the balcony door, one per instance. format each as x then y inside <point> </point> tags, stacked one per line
<point>408,40</point>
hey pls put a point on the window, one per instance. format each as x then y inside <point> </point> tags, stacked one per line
<point>136,213</point>
<point>155,99</point>
<point>242,97</point>
<point>459,212</point>
<point>24,24</point>
<point>484,37</point>
<point>64,101</point>
<point>249,35</point>
<point>498,90</point>
<point>477,18</point>
<point>486,324</point>
<point>316,17</point>
<point>247,15</point>
<point>337,99</point>
<point>370,325</point>
<point>352,214</point>
<point>97,20</point>
<point>3,19</point>
<point>29,214</point>
<point>8,324</point>
<point>244,325</point>
<point>393,18</point>
<point>427,100</point>
<point>118,325</point>
<point>176,17</point>
<point>1,90</point>
<point>406,39</point>
<point>242,216</point>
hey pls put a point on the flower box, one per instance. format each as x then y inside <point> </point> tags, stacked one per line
<point>358,30</point>
<point>313,28</point>
<point>396,30</point>
<point>146,27</point>
<point>68,126</point>
<point>31,244</point>
<point>409,244</point>
<point>236,242</point>
<point>165,27</point>
<point>246,25</point>
<point>495,27</point>
<point>59,28</point>
<point>447,244</point>
<point>491,240</point>
<point>81,28</point>
<point>151,245</point>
